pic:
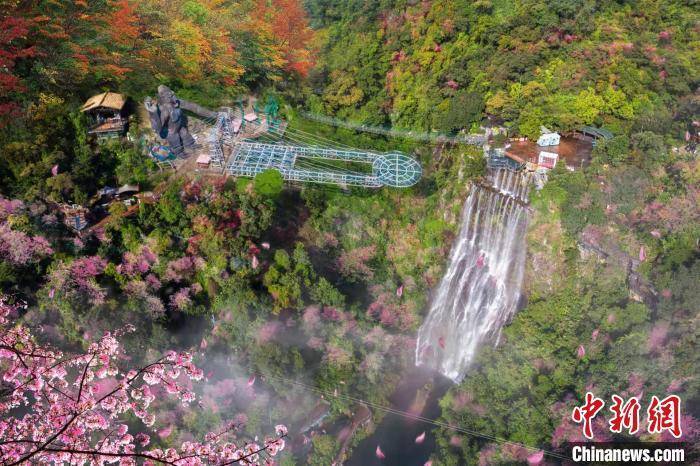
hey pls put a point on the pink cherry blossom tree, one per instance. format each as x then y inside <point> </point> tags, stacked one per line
<point>78,279</point>
<point>19,248</point>
<point>63,408</point>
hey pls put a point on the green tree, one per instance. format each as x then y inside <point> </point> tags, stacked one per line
<point>269,183</point>
<point>459,112</point>
<point>289,277</point>
<point>613,151</point>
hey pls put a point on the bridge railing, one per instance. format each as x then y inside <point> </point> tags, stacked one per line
<point>472,139</point>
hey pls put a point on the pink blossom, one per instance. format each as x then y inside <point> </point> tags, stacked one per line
<point>337,356</point>
<point>18,248</point>
<point>181,300</point>
<point>79,279</point>
<point>70,417</point>
<point>675,385</point>
<point>379,453</point>
<point>535,458</point>
<point>657,337</point>
<point>184,267</point>
<point>690,427</point>
<point>332,314</point>
<point>581,351</point>
<point>399,56</point>
<point>9,207</point>
<point>311,317</point>
<point>143,439</point>
<point>594,335</point>
<point>376,337</point>
<point>268,331</point>
<point>420,438</point>
<point>54,170</point>
<point>390,312</point>
<point>514,452</point>
<point>154,307</point>
<point>137,264</point>
<point>153,282</point>
<point>354,263</point>
<point>315,343</point>
<point>486,455</point>
<point>642,254</point>
<point>49,219</point>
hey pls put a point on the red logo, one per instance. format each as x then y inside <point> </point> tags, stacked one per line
<point>662,415</point>
<point>625,415</point>
<point>665,415</point>
<point>587,412</point>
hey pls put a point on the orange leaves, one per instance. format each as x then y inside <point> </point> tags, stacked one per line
<point>196,41</point>
<point>116,71</point>
<point>287,26</point>
<point>123,22</point>
<point>192,49</point>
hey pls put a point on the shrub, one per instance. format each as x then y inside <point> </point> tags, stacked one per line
<point>269,183</point>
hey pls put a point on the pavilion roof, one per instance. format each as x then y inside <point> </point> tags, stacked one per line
<point>106,99</point>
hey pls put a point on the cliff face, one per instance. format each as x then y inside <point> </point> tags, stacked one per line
<point>546,269</point>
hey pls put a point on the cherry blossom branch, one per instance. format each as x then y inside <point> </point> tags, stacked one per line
<point>69,422</point>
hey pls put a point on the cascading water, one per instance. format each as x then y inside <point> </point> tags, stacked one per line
<point>481,288</point>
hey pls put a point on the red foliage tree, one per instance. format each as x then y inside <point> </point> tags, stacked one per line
<point>289,25</point>
<point>14,29</point>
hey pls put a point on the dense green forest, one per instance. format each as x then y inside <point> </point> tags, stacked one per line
<point>631,66</point>
<point>279,288</point>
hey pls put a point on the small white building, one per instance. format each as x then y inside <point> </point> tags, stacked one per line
<point>547,159</point>
<point>548,138</point>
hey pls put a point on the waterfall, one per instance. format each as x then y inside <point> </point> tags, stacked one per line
<point>480,290</point>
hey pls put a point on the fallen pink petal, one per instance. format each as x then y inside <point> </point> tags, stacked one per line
<point>535,458</point>
<point>379,453</point>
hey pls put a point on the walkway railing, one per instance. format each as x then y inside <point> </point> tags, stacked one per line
<point>473,139</point>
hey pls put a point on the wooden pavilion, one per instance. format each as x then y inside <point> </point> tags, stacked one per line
<point>106,114</point>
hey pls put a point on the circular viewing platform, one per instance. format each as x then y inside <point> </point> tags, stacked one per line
<point>396,170</point>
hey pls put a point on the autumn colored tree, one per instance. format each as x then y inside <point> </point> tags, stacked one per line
<point>13,47</point>
<point>76,408</point>
<point>285,24</point>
